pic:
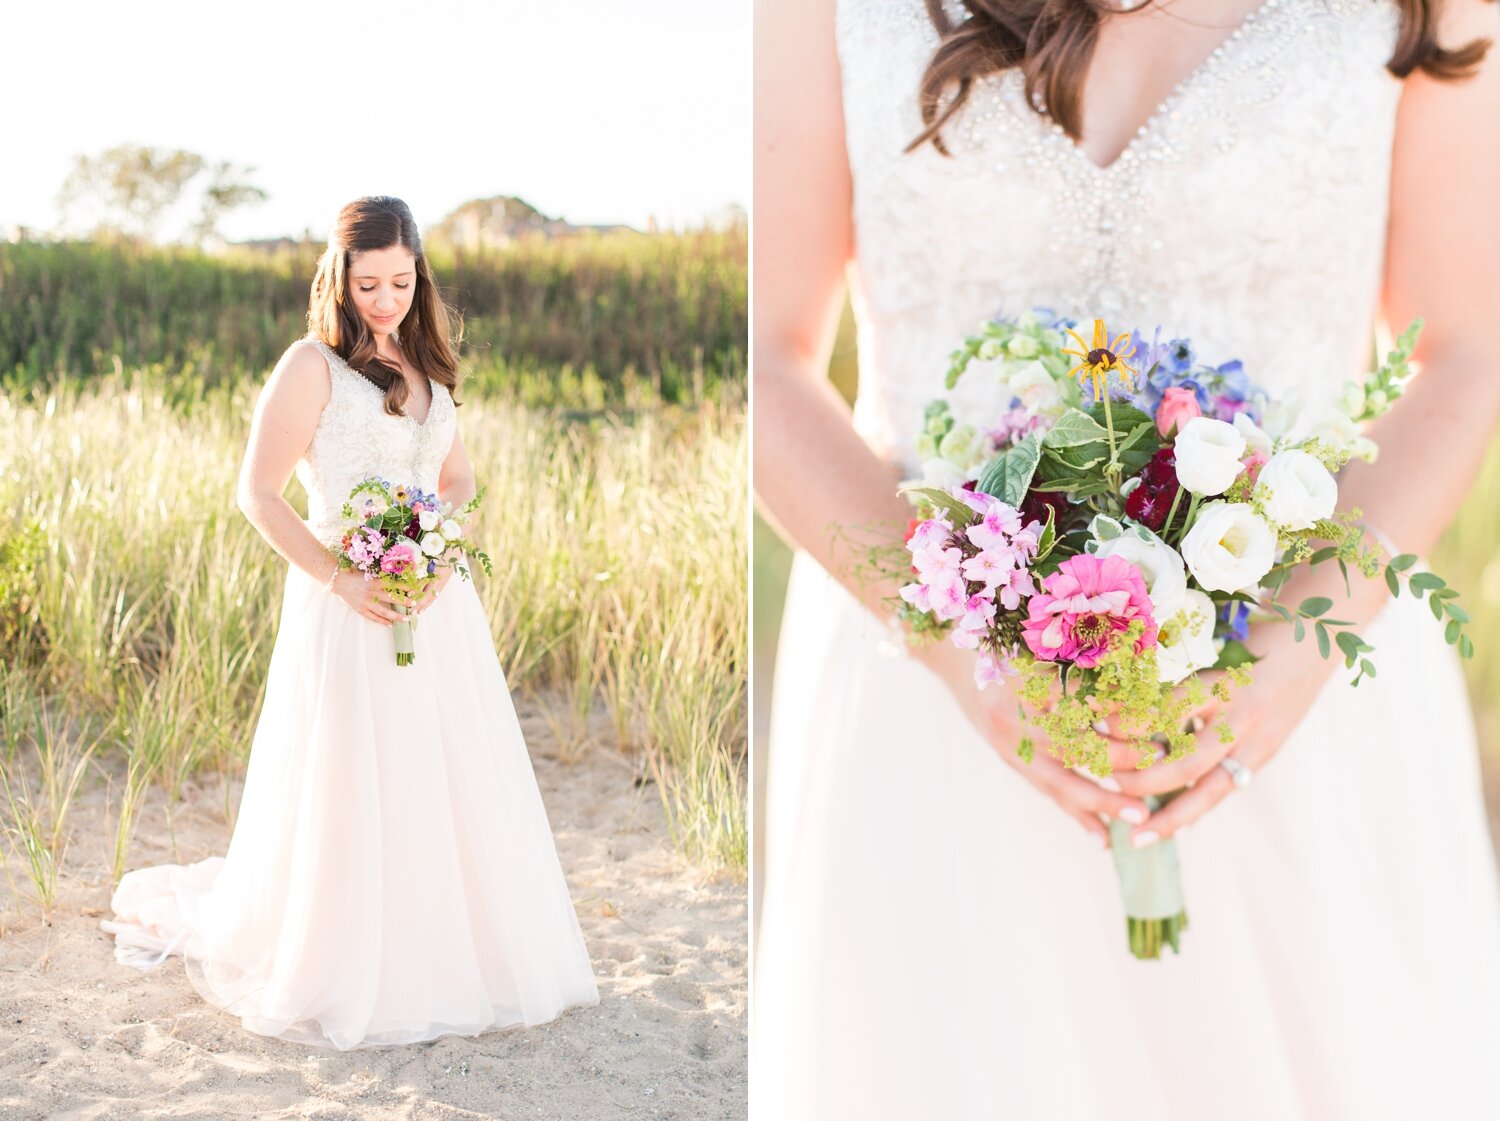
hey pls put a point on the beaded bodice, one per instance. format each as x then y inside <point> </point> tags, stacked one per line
<point>1248,213</point>
<point>356,438</point>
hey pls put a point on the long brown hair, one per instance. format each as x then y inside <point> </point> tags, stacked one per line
<point>1052,42</point>
<point>382,222</point>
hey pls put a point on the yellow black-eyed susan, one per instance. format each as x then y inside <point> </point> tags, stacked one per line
<point>1100,358</point>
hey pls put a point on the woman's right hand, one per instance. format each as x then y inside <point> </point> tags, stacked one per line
<point>993,712</point>
<point>367,597</point>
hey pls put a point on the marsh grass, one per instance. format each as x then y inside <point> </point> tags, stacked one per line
<point>150,605</point>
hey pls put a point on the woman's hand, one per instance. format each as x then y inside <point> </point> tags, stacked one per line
<point>367,597</point>
<point>993,712</point>
<point>1262,715</point>
<point>1123,757</point>
<point>444,574</point>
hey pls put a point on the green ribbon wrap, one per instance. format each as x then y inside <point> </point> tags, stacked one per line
<point>1150,888</point>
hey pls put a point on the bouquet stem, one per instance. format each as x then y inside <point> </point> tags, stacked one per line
<point>405,647</point>
<point>1151,889</point>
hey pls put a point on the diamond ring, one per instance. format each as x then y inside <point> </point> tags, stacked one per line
<point>1238,772</point>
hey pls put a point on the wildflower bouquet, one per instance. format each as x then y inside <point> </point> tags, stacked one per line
<point>1115,541</point>
<point>399,536</point>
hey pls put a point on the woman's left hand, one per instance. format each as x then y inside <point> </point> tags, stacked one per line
<point>444,574</point>
<point>1262,715</point>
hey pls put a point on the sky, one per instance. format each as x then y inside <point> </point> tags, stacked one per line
<point>592,111</point>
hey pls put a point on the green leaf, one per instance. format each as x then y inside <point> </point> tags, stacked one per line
<point>1048,537</point>
<point>1349,643</point>
<point>1403,562</point>
<point>1135,434</point>
<point>1280,610</point>
<point>1235,653</point>
<point>1298,630</point>
<point>1344,568</point>
<point>1456,612</point>
<point>1437,608</point>
<point>955,509</point>
<point>1465,647</point>
<point>1314,606</point>
<point>1426,581</point>
<point>1323,645</point>
<point>1323,554</point>
<point>1367,666</point>
<point>1391,582</point>
<point>1008,476</point>
<point>1451,631</point>
<point>1126,417</point>
<point>1072,428</point>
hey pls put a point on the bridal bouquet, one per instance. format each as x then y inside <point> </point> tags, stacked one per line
<point>1113,535</point>
<point>399,536</point>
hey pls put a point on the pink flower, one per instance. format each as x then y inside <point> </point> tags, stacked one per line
<point>924,535</point>
<point>947,595</point>
<point>1178,406</point>
<point>990,566</point>
<point>400,558</point>
<point>994,529</point>
<point>1253,463</point>
<point>979,616</point>
<point>992,669</point>
<point>1082,605</point>
<point>918,595</point>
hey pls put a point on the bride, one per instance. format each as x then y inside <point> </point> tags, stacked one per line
<point>941,931</point>
<point>392,876</point>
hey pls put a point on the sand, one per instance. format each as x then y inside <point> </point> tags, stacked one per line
<point>83,1037</point>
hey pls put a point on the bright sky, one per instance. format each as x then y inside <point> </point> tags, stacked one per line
<point>590,110</point>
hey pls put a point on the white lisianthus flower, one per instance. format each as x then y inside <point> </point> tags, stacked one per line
<point>451,529</point>
<point>433,544</point>
<point>942,473</point>
<point>1230,547</point>
<point>1296,490</point>
<point>963,446</point>
<point>1335,428</point>
<point>1036,388</point>
<point>428,519</point>
<point>1185,640</point>
<point>1161,567</point>
<point>1208,455</point>
<point>1255,437</point>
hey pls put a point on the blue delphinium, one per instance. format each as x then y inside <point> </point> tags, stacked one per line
<point>1236,614</point>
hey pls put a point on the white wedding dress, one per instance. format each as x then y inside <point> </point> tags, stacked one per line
<point>937,939</point>
<point>392,876</point>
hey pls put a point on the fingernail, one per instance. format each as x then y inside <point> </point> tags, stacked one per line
<point>1141,840</point>
<point>1110,784</point>
<point>1133,814</point>
<point>1104,840</point>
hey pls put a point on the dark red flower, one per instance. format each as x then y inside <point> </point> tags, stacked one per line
<point>1147,507</point>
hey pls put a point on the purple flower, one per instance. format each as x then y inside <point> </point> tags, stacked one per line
<point>1236,613</point>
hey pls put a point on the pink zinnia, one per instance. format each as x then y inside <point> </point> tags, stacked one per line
<point>1082,605</point>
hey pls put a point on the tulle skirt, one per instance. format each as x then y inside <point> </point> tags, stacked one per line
<point>937,939</point>
<point>392,876</point>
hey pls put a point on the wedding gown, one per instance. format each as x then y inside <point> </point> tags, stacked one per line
<point>937,939</point>
<point>392,876</point>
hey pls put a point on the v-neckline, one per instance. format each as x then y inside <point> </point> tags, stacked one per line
<point>1154,119</point>
<point>431,398</point>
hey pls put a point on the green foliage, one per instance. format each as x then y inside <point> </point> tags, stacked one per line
<point>591,320</point>
<point>1008,475</point>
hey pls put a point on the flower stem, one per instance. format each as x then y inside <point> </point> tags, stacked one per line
<point>1172,513</point>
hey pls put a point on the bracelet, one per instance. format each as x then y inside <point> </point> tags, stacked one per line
<point>332,577</point>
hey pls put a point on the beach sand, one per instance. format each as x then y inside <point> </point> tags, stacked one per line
<point>84,1037</point>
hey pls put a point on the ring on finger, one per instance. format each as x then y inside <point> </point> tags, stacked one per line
<point>1239,774</point>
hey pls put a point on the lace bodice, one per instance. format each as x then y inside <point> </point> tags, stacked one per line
<point>357,438</point>
<point>1249,213</point>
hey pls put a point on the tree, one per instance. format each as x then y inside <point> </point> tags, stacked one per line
<point>130,189</point>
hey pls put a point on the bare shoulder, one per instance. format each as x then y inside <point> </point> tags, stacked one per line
<point>301,383</point>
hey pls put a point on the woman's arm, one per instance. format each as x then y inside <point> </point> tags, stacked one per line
<point>456,476</point>
<point>814,475</point>
<point>816,479</point>
<point>1443,264</point>
<point>286,416</point>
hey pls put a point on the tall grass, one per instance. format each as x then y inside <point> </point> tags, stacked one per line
<point>596,313</point>
<point>146,605</point>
